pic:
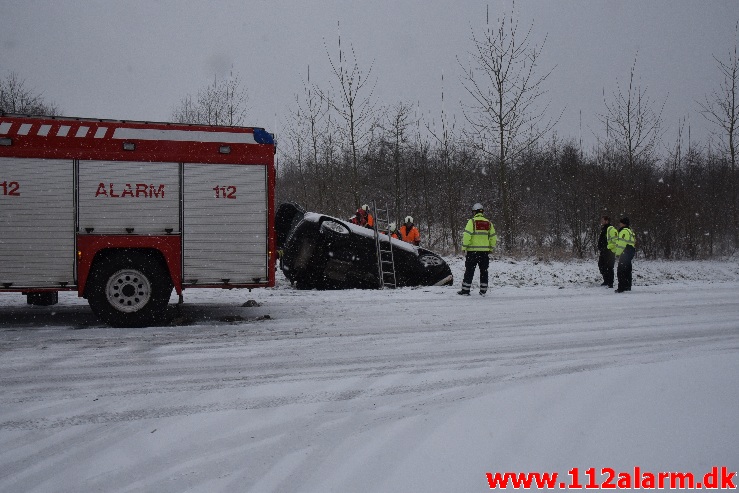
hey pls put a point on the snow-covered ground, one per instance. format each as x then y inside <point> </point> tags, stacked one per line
<point>407,390</point>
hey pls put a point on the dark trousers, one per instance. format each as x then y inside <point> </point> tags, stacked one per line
<point>472,260</point>
<point>606,260</point>
<point>624,269</point>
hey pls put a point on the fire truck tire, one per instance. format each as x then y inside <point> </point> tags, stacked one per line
<point>129,289</point>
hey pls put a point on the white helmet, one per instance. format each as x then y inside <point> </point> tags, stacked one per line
<point>477,207</point>
<point>392,227</point>
<point>408,219</point>
<point>365,207</point>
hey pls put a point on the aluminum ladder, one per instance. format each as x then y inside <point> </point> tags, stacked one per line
<point>385,257</point>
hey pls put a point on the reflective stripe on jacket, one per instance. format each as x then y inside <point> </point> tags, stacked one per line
<point>626,238</point>
<point>479,235</point>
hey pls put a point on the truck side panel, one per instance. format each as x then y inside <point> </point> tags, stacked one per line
<point>225,238</point>
<point>36,223</point>
<point>122,197</point>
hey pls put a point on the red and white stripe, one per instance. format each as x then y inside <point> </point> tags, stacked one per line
<point>11,128</point>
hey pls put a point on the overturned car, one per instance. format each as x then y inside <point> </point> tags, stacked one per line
<point>323,252</point>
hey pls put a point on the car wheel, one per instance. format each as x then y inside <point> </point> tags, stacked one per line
<point>431,261</point>
<point>129,289</point>
<point>437,272</point>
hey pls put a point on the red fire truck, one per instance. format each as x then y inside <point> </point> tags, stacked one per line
<point>123,211</point>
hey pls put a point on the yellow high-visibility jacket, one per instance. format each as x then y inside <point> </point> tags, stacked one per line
<point>479,235</point>
<point>612,237</point>
<point>626,238</point>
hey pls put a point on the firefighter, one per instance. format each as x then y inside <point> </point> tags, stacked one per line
<point>606,247</point>
<point>360,218</point>
<point>392,231</point>
<point>409,233</point>
<point>478,241</point>
<point>625,250</point>
<point>370,218</point>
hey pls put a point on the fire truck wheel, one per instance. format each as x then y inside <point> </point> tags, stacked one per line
<point>129,290</point>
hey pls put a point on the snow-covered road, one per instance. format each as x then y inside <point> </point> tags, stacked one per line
<point>405,390</point>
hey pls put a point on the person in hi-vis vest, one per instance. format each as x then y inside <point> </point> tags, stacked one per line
<point>625,250</point>
<point>478,240</point>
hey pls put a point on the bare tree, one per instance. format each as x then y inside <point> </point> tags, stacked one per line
<point>637,127</point>
<point>506,88</point>
<point>355,106</point>
<point>450,173</point>
<point>722,109</point>
<point>15,97</point>
<point>314,113</point>
<point>399,121</point>
<point>296,142</point>
<point>304,138</point>
<point>225,102</point>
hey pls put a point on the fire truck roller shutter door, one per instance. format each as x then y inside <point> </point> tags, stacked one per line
<point>119,197</point>
<point>225,222</point>
<point>36,222</point>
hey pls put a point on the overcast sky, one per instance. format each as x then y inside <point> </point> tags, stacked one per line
<point>137,59</point>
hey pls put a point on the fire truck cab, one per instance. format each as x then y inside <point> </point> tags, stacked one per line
<point>123,212</point>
